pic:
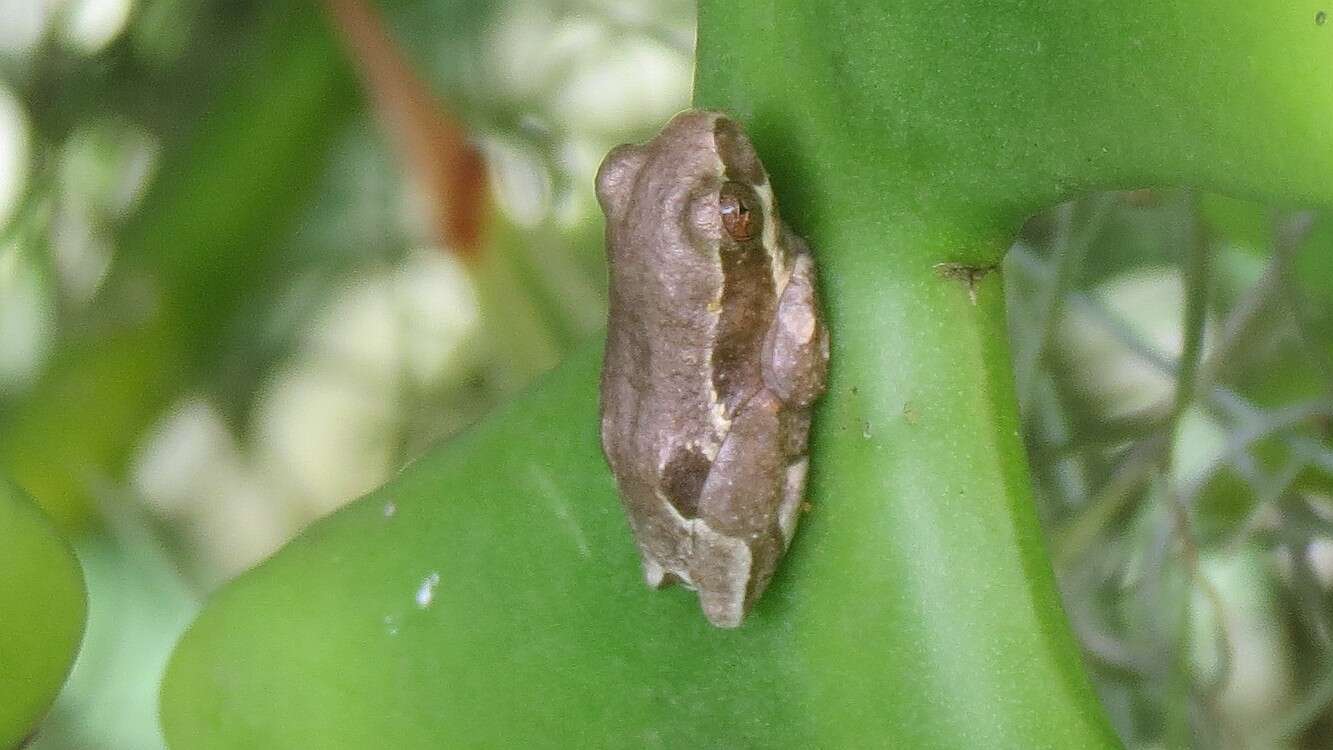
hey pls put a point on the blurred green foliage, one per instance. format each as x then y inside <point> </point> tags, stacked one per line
<point>206,242</point>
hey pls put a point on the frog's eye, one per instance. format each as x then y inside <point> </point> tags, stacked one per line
<point>735,205</point>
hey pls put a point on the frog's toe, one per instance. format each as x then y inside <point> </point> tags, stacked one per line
<point>724,609</point>
<point>793,495</point>
<point>721,568</point>
<point>657,576</point>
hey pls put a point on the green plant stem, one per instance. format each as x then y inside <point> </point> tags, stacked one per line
<point>946,622</point>
<point>926,511</point>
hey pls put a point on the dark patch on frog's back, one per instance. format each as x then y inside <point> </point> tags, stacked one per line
<point>749,298</point>
<point>683,479</point>
<point>748,303</point>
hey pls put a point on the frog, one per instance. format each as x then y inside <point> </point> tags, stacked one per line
<point>716,351</point>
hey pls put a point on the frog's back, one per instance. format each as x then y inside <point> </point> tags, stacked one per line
<point>665,287</point>
<point>657,390</point>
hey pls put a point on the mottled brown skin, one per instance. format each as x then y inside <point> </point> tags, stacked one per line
<point>715,351</point>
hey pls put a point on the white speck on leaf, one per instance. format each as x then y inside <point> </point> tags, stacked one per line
<point>390,509</point>
<point>426,591</point>
<point>391,625</point>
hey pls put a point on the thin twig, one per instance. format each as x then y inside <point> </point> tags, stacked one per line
<point>1269,491</point>
<point>1294,720</point>
<point>1288,237</point>
<point>1110,502</point>
<point>1271,424</point>
<point>1070,250</point>
<point>1196,282</point>
<point>1238,326</point>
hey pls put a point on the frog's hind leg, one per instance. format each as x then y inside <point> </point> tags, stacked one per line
<point>737,538</point>
<point>723,567</point>
<point>796,346</point>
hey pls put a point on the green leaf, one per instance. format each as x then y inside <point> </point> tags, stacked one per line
<point>917,607</point>
<point>42,607</point>
<point>537,606</point>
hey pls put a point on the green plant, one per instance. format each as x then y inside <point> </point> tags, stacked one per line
<point>489,595</point>
<point>42,607</point>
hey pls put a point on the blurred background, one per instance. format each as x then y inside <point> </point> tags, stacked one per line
<point>255,256</point>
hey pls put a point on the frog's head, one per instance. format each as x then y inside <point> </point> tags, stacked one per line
<point>698,188</point>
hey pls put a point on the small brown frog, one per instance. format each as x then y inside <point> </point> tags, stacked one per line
<point>715,350</point>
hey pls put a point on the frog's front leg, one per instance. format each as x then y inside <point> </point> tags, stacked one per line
<point>738,538</point>
<point>795,366</point>
<point>796,347</point>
